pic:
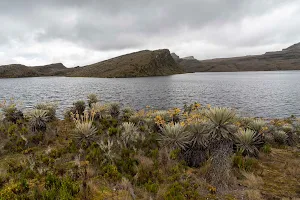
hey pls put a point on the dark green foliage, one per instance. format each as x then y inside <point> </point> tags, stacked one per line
<point>59,188</point>
<point>182,191</point>
<point>127,164</point>
<point>152,187</point>
<point>28,174</point>
<point>148,174</point>
<point>79,107</point>
<point>95,155</point>
<point>50,108</point>
<point>266,148</point>
<point>114,110</point>
<point>22,187</point>
<point>244,163</point>
<point>92,98</point>
<point>14,167</point>
<point>36,138</point>
<point>15,144</point>
<point>3,179</point>
<point>12,114</point>
<point>113,131</point>
<point>110,172</point>
<point>194,156</point>
<point>126,114</point>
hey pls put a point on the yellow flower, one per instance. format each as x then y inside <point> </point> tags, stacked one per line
<point>159,120</point>
<point>208,106</point>
<point>197,105</point>
<point>182,124</point>
<point>265,128</point>
<point>212,189</point>
<point>238,124</point>
<point>176,111</point>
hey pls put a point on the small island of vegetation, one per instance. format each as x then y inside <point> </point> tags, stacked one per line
<point>103,151</point>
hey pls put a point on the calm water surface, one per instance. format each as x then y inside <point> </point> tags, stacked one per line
<point>264,94</point>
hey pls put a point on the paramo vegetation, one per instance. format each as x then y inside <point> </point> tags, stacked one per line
<point>103,151</point>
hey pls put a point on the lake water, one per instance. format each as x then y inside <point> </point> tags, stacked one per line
<point>264,94</point>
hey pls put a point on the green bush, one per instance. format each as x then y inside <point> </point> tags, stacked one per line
<point>79,107</point>
<point>92,98</point>
<point>38,120</point>
<point>114,110</point>
<point>244,163</point>
<point>182,191</point>
<point>113,131</point>
<point>266,148</point>
<point>50,108</point>
<point>152,187</point>
<point>59,188</point>
<point>110,172</point>
<point>280,137</point>
<point>127,113</point>
<point>12,114</point>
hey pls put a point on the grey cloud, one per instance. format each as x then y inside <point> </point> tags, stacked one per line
<point>114,25</point>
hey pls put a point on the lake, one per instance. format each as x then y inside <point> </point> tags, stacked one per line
<point>263,94</point>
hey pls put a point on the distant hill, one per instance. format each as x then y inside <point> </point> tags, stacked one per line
<point>137,64</point>
<point>17,70</point>
<point>286,59</point>
<point>160,63</point>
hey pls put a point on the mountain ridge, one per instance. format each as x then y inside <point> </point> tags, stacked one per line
<point>136,64</point>
<point>161,63</point>
<point>286,59</point>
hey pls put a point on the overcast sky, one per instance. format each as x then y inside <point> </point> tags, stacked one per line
<point>79,32</point>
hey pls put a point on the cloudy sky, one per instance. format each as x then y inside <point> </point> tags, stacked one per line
<point>79,32</point>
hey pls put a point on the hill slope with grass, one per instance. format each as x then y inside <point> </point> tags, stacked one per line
<point>286,59</point>
<point>18,71</point>
<point>137,64</point>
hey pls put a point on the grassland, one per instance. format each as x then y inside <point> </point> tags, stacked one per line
<point>103,151</point>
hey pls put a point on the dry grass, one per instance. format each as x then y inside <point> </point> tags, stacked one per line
<point>253,195</point>
<point>251,180</point>
<point>280,174</point>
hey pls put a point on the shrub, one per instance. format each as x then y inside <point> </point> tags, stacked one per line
<point>59,188</point>
<point>174,136</point>
<point>200,135</point>
<point>221,134</point>
<point>38,120</point>
<point>152,187</point>
<point>287,128</point>
<point>79,107</point>
<point>111,172</point>
<point>246,121</point>
<point>256,125</point>
<point>92,98</point>
<point>107,152</point>
<point>101,111</point>
<point>182,190</point>
<point>220,126</point>
<point>244,163</point>
<point>247,142</point>
<point>267,148</point>
<point>50,108</point>
<point>12,114</point>
<point>280,137</point>
<point>130,135</point>
<point>114,110</point>
<point>84,129</point>
<point>127,113</point>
